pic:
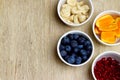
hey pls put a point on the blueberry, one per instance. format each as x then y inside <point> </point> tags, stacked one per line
<point>68,48</point>
<point>89,47</point>
<point>70,36</point>
<point>84,58</point>
<point>73,55</point>
<point>66,57</point>
<point>89,52</point>
<point>74,43</point>
<point>76,50</point>
<point>75,36</point>
<point>71,60</point>
<point>63,53</point>
<point>82,40</point>
<point>83,52</point>
<point>65,40</point>
<point>78,60</point>
<point>80,46</point>
<point>87,43</point>
<point>61,47</point>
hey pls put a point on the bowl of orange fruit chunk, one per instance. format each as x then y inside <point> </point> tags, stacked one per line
<point>106,28</point>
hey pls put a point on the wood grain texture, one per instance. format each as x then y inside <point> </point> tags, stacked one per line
<point>29,31</point>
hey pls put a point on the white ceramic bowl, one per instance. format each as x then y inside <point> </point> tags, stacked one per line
<point>113,54</point>
<point>111,12</point>
<point>88,2</point>
<point>71,32</point>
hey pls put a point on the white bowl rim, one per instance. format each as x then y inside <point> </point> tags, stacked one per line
<point>101,54</point>
<point>74,31</point>
<point>93,26</point>
<point>73,24</point>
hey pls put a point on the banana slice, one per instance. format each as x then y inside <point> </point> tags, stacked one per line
<point>86,8</point>
<point>79,4</point>
<point>68,20</point>
<point>72,2</point>
<point>82,11</point>
<point>75,11</point>
<point>66,10</point>
<point>76,21</point>
<point>62,14</point>
<point>71,18</point>
<point>87,15</point>
<point>82,18</point>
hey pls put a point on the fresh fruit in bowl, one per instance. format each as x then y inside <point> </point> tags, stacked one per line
<point>75,48</point>
<point>106,66</point>
<point>106,27</point>
<point>75,12</point>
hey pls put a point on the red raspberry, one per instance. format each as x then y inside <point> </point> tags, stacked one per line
<point>107,69</point>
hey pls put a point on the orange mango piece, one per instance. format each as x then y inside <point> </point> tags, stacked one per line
<point>108,28</point>
<point>115,16</point>
<point>112,26</point>
<point>108,37</point>
<point>104,21</point>
<point>117,32</point>
<point>117,21</point>
<point>97,31</point>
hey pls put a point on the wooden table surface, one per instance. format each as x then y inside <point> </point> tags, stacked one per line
<point>29,32</point>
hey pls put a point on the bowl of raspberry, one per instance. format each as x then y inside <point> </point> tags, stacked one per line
<point>75,48</point>
<point>106,66</point>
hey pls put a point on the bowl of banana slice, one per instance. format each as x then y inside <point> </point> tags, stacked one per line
<point>75,13</point>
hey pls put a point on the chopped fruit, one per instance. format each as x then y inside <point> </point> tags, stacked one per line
<point>72,2</point>
<point>118,21</point>
<point>74,11</point>
<point>104,21</point>
<point>108,37</point>
<point>97,31</point>
<point>108,28</point>
<point>115,16</point>
<point>111,27</point>
<point>118,32</point>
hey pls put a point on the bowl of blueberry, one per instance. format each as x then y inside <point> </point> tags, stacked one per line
<point>75,48</point>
